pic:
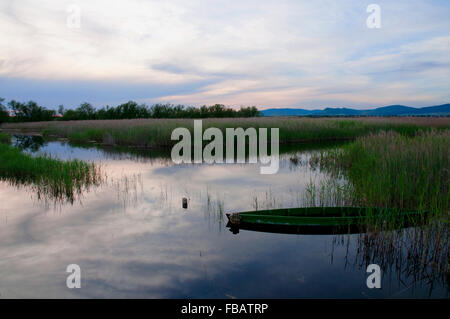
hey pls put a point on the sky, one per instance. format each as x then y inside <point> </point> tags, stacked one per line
<point>281,53</point>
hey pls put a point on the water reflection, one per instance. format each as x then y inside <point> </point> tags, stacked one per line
<point>47,179</point>
<point>412,251</point>
<point>415,258</point>
<point>297,230</point>
<point>29,143</point>
<point>132,237</point>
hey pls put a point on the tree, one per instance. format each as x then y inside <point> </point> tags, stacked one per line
<point>31,111</point>
<point>61,110</point>
<point>86,111</point>
<point>70,115</point>
<point>131,110</point>
<point>4,115</point>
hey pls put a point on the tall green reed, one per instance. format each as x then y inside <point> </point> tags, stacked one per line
<point>52,179</point>
<point>390,170</point>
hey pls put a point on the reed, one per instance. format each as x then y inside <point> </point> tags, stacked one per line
<point>417,256</point>
<point>147,133</point>
<point>51,178</point>
<point>390,170</point>
<point>5,138</point>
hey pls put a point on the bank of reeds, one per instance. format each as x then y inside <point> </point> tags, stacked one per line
<point>148,133</point>
<point>51,178</point>
<point>390,170</point>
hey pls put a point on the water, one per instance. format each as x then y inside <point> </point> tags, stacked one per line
<point>132,238</point>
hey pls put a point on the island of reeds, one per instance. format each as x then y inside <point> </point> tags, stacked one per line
<point>52,179</point>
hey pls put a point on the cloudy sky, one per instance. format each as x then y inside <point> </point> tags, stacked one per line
<point>309,54</point>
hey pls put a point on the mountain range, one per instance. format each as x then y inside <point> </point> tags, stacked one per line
<point>391,110</point>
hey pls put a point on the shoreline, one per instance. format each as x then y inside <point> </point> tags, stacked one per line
<point>156,133</point>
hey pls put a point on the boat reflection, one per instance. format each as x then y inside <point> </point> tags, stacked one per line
<point>324,220</point>
<point>298,230</point>
<point>410,256</point>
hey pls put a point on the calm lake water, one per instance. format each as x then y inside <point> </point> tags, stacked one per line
<point>132,238</point>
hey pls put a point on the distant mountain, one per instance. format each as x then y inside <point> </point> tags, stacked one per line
<point>341,111</point>
<point>285,112</point>
<point>391,110</point>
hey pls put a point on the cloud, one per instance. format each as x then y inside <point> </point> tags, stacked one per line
<point>265,53</point>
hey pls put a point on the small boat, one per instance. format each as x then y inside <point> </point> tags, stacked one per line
<point>320,220</point>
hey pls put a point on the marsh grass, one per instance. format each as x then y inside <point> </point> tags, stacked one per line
<point>52,179</point>
<point>390,170</point>
<point>128,189</point>
<point>147,133</point>
<point>330,192</point>
<point>417,256</point>
<point>214,210</point>
<point>5,138</point>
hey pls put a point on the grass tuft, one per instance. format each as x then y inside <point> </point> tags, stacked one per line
<point>5,138</point>
<point>390,170</point>
<point>52,178</point>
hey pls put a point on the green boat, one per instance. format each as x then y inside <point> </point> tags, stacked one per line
<point>320,220</point>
